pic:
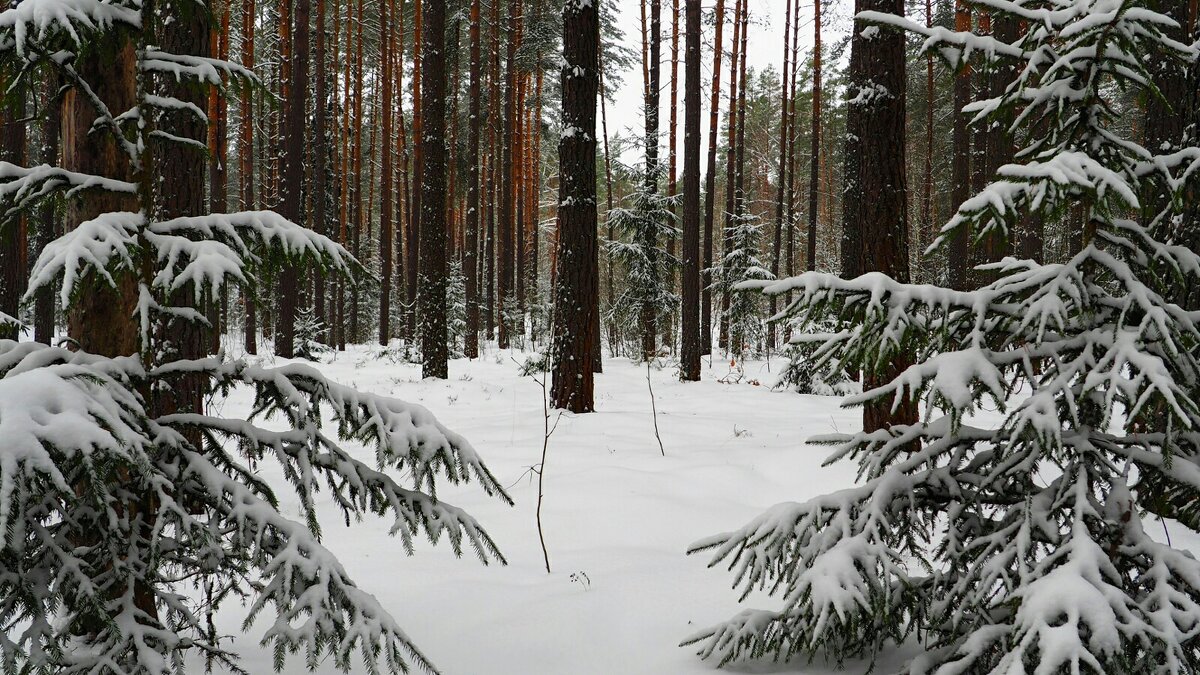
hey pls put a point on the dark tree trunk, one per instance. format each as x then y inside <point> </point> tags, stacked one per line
<point>649,235</point>
<point>49,224</point>
<point>777,249</point>
<point>321,154</point>
<point>672,166</point>
<point>412,243</point>
<point>12,230</point>
<point>291,197</point>
<point>246,160</point>
<point>730,162</point>
<point>710,184</point>
<point>959,246</point>
<point>432,283</point>
<point>470,254</point>
<point>507,221</point>
<point>385,214</point>
<point>576,295</point>
<point>814,166</point>
<point>875,198</point>
<point>690,348</point>
<point>99,321</point>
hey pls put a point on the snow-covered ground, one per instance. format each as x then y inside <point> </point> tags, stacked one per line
<point>618,515</point>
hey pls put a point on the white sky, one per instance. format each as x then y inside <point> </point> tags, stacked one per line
<point>765,47</point>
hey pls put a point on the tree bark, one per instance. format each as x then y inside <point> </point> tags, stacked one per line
<point>291,185</point>
<point>246,169</point>
<point>814,166</point>
<point>432,283</point>
<point>507,221</point>
<point>730,162</point>
<point>99,321</point>
<point>649,235</point>
<point>875,198</point>
<point>470,257</point>
<point>13,138</point>
<point>710,184</point>
<point>777,250</point>
<point>576,296</point>
<point>959,246</point>
<point>321,153</point>
<point>385,214</point>
<point>690,348</point>
<point>49,225</point>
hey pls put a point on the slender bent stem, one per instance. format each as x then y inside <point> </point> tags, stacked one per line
<point>654,411</point>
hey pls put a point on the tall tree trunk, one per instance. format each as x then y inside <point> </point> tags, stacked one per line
<point>814,167</point>
<point>246,168</point>
<point>470,258</point>
<point>875,198</point>
<point>49,225</point>
<point>506,224</point>
<point>730,161</point>
<point>793,127</point>
<point>218,167</point>
<point>710,184</point>
<point>321,152</point>
<point>608,192</point>
<point>432,283</point>
<point>925,229</point>
<point>576,296</point>
<point>777,250</point>
<point>959,250</point>
<point>99,321</point>
<point>649,235</point>
<point>739,190</point>
<point>385,214</point>
<point>672,165</point>
<point>690,348</point>
<point>12,230</point>
<point>293,173</point>
<point>412,242</point>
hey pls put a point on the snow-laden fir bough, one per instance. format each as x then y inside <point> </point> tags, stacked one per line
<point>1019,547</point>
<point>122,516</point>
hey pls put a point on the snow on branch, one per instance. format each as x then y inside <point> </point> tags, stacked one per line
<point>22,187</point>
<point>41,19</point>
<point>203,69</point>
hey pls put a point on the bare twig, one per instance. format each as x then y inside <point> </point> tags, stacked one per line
<point>547,431</point>
<point>654,411</point>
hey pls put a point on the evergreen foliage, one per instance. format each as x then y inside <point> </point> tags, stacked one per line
<point>1019,547</point>
<point>647,266</point>
<point>121,512</point>
<point>743,264</point>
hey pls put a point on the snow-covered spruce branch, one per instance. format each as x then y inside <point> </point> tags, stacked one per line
<point>74,419</point>
<point>42,20</point>
<point>200,252</point>
<point>22,188</point>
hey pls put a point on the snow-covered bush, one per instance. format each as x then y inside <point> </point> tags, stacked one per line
<point>747,327</point>
<point>124,519</point>
<point>804,373</point>
<point>1020,546</point>
<point>456,308</point>
<point>310,335</point>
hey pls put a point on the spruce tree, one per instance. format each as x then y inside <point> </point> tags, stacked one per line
<point>1020,546</point>
<point>125,518</point>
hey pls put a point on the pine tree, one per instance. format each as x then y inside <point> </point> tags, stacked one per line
<point>99,466</point>
<point>1020,546</point>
